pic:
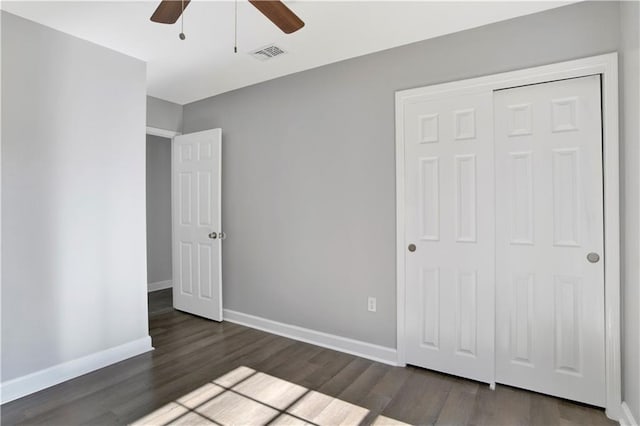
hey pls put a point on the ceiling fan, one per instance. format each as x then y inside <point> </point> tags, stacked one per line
<point>169,11</point>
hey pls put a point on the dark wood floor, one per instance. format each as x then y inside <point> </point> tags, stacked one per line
<point>235,374</point>
<point>160,301</point>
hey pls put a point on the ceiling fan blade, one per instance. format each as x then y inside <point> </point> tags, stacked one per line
<point>279,14</point>
<point>169,11</point>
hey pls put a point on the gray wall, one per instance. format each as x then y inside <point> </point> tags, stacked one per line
<point>73,198</point>
<point>630,159</point>
<point>158,209</point>
<point>163,114</point>
<point>309,167</point>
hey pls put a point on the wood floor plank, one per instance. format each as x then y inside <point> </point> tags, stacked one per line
<point>392,382</point>
<point>160,301</point>
<point>330,363</point>
<point>293,363</point>
<point>345,376</point>
<point>359,389</point>
<point>544,411</point>
<point>420,399</point>
<point>581,414</point>
<point>272,379</point>
<point>359,392</point>
<point>458,406</point>
<point>484,408</point>
<point>511,406</point>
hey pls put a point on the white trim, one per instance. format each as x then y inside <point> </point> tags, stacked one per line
<point>163,133</point>
<point>400,227</point>
<point>626,416</point>
<point>159,285</point>
<point>34,382</point>
<point>318,338</point>
<point>607,66</point>
<point>611,161</point>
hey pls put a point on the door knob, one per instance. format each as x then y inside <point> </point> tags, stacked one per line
<point>222,235</point>
<point>213,235</point>
<point>593,257</point>
<point>412,247</point>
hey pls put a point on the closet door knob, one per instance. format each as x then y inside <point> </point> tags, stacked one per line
<point>213,235</point>
<point>593,257</point>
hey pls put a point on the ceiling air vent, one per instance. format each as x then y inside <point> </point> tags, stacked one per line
<point>267,52</point>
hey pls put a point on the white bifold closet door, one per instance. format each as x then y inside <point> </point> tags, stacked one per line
<point>549,241</point>
<point>449,222</point>
<point>196,216</point>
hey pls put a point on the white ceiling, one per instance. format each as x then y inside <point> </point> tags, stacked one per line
<point>204,64</point>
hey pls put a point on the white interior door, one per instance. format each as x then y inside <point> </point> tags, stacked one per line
<point>549,204</point>
<point>449,209</point>
<point>197,268</point>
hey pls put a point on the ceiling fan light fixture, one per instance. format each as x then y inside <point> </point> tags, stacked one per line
<point>278,13</point>
<point>168,12</point>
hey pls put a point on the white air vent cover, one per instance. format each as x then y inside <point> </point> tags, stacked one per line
<point>267,52</point>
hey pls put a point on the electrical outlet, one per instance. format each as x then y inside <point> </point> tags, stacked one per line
<point>371,304</point>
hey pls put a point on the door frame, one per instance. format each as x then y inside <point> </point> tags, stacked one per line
<point>163,133</point>
<point>605,65</point>
<point>166,134</point>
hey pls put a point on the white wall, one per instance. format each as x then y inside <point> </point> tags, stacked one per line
<point>630,159</point>
<point>73,197</point>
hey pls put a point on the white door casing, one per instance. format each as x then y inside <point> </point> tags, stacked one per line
<point>450,220</point>
<point>549,200</point>
<point>196,213</point>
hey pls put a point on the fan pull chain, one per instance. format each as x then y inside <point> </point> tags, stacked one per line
<point>182,36</point>
<point>235,28</point>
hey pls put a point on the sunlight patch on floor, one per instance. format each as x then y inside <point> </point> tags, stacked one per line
<point>248,397</point>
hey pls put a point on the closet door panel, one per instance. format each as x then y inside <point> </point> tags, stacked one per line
<point>450,221</point>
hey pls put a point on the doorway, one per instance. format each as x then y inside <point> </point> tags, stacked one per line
<point>159,264</point>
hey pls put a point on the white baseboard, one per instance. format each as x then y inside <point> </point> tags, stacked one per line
<point>159,285</point>
<point>34,382</point>
<point>342,344</point>
<point>626,417</point>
